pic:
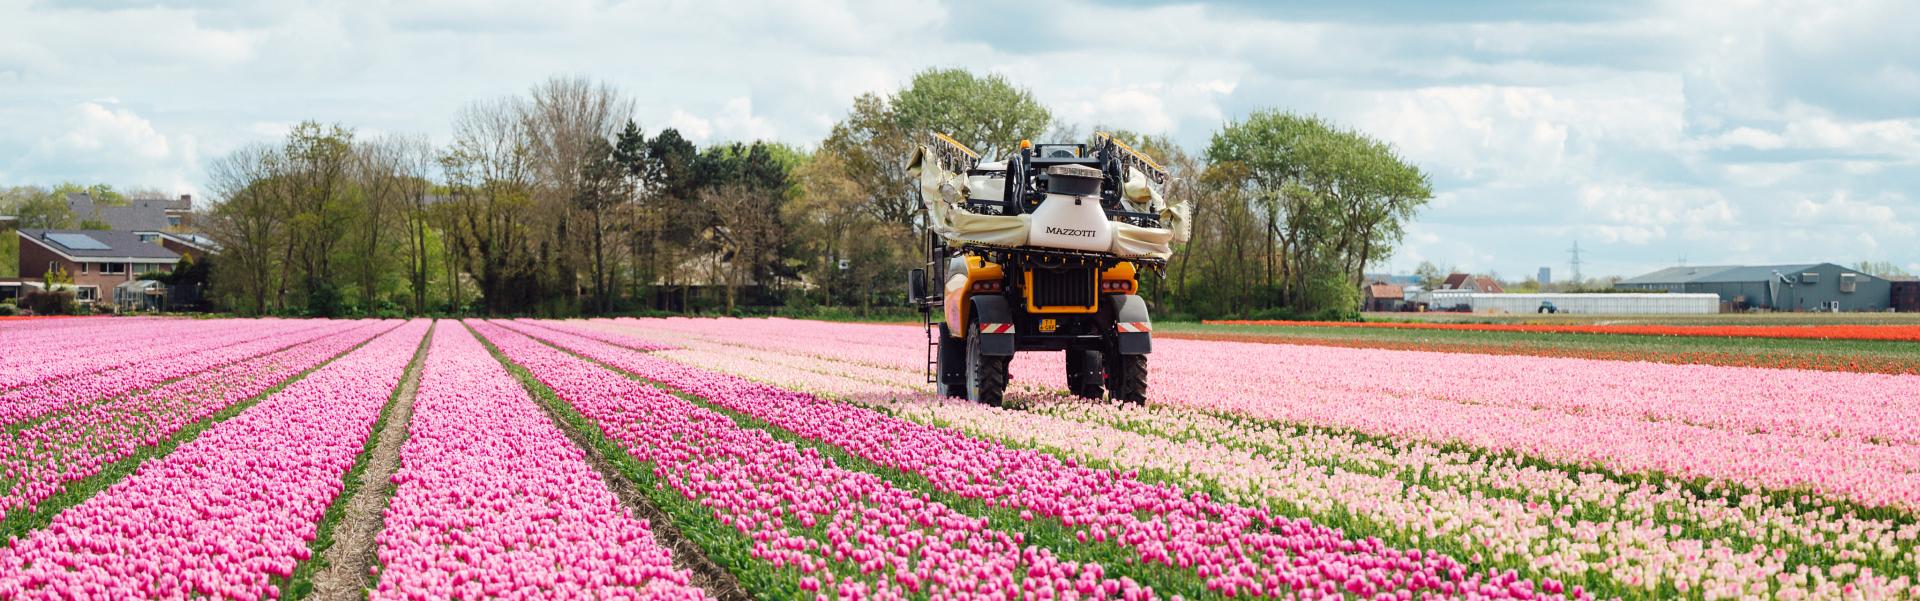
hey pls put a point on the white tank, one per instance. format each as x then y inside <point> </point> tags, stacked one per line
<point>1071,221</point>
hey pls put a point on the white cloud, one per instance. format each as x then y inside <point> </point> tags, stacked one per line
<point>1647,136</point>
<point>99,129</point>
<point>1524,134</point>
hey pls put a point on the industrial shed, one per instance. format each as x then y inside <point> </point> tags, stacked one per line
<point>1602,304</point>
<point>1795,287</point>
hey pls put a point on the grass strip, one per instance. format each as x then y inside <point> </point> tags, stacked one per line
<point>300,585</point>
<point>19,523</point>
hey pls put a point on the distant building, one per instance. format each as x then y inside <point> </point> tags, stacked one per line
<point>1906,294</point>
<point>97,260</point>
<point>1471,283</point>
<point>1381,296</point>
<point>1585,304</point>
<point>1545,277</point>
<point>139,214</point>
<point>1795,287</point>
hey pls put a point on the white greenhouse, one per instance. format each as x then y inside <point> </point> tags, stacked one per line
<point>1603,304</point>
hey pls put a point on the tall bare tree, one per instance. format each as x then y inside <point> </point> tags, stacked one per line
<point>569,122</point>
<point>249,223</point>
<point>490,177</point>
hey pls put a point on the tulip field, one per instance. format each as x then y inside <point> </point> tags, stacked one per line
<point>691,458</point>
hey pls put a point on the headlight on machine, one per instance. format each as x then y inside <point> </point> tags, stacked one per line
<point>1116,286</point>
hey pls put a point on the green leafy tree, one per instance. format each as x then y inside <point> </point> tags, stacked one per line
<point>988,113</point>
<point>1333,200</point>
<point>37,208</point>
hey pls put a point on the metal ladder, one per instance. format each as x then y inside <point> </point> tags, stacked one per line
<point>936,300</point>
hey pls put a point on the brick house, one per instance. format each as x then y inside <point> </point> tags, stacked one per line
<point>97,260</point>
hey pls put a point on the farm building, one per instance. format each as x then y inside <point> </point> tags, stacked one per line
<point>1384,297</point>
<point>1604,304</point>
<point>1471,283</point>
<point>1906,295</point>
<point>1797,287</point>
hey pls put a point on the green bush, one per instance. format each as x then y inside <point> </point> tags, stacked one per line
<point>49,302</point>
<point>8,310</point>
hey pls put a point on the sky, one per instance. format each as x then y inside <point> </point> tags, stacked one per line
<point>1650,133</point>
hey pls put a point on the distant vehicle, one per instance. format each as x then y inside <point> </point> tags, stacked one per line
<point>1547,307</point>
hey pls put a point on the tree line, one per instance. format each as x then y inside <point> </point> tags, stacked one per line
<point>556,202</point>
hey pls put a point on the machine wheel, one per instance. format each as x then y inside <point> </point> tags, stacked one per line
<point>950,366</point>
<point>1086,376</point>
<point>1127,378</point>
<point>986,375</point>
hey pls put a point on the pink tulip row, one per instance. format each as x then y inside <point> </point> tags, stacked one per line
<point>29,363</point>
<point>57,334</point>
<point>494,501</point>
<point>142,366</point>
<point>1501,510</point>
<point>1846,435</point>
<point>73,445</point>
<point>840,532</point>
<point>228,512</point>
<point>1236,548</point>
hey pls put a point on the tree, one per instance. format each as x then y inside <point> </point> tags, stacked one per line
<point>490,179</point>
<point>37,208</point>
<point>878,137</point>
<point>1880,269</point>
<point>1333,201</point>
<point>602,189</point>
<point>1431,276</point>
<point>989,114</point>
<point>250,224</point>
<point>746,227</point>
<point>317,162</point>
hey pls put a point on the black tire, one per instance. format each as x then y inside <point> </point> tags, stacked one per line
<point>950,366</point>
<point>1127,378</point>
<point>986,375</point>
<point>1086,376</point>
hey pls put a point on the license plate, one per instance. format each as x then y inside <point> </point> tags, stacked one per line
<point>1047,326</point>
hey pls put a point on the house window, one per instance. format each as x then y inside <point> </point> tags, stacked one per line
<point>1848,282</point>
<point>173,220</point>
<point>149,238</point>
<point>1810,278</point>
<point>113,268</point>
<point>52,266</point>
<point>86,294</point>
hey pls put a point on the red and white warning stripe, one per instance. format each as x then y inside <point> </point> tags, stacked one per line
<point>1134,326</point>
<point>996,328</point>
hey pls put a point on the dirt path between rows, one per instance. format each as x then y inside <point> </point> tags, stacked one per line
<point>351,557</point>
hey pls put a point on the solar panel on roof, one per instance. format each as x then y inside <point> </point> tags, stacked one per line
<point>78,242</point>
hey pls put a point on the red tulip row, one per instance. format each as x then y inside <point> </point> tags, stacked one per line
<point>42,459</point>
<point>841,532</point>
<point>492,500</point>
<point>228,512</point>
<point>1238,550</point>
<point>64,385</point>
